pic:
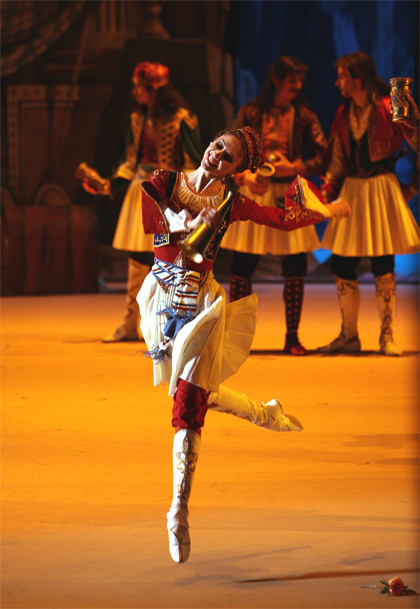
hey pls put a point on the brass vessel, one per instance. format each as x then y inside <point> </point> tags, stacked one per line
<point>400,86</point>
<point>264,173</point>
<point>194,246</point>
<point>84,172</point>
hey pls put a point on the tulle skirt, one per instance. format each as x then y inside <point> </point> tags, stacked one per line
<point>257,239</point>
<point>380,224</point>
<point>208,349</point>
<point>129,234</point>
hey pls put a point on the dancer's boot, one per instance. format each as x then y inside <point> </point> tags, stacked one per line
<point>349,299</point>
<point>266,415</point>
<point>385,301</point>
<point>239,287</point>
<point>186,447</point>
<point>130,328</point>
<point>293,298</point>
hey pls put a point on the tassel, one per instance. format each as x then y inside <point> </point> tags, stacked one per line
<point>159,353</point>
<point>175,322</point>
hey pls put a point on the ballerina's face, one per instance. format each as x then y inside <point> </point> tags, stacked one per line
<point>223,156</point>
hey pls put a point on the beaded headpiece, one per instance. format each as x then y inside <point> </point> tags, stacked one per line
<point>253,146</point>
<point>154,75</point>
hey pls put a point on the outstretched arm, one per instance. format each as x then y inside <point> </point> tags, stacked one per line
<point>304,205</point>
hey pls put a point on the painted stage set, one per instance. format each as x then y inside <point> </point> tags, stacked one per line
<point>278,520</point>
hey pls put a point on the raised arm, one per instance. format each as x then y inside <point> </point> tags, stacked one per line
<point>304,205</point>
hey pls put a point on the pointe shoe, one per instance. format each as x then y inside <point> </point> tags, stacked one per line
<point>179,543</point>
<point>122,334</point>
<point>280,421</point>
<point>341,345</point>
<point>390,348</point>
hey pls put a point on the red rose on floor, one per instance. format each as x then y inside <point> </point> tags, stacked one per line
<point>396,586</point>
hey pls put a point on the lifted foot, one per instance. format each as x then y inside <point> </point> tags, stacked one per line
<point>280,421</point>
<point>179,543</point>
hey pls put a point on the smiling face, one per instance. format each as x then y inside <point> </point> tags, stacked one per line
<point>288,89</point>
<point>223,156</point>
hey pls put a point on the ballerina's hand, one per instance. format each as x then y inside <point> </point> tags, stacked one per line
<point>209,215</point>
<point>339,209</point>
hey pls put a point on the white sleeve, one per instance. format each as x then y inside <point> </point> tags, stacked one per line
<point>177,221</point>
<point>336,168</point>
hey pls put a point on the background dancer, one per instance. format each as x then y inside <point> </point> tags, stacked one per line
<point>195,339</point>
<point>288,129</point>
<point>361,168</point>
<point>163,134</point>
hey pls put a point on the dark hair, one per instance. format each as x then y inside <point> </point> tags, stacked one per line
<point>361,65</point>
<point>255,145</point>
<point>280,69</point>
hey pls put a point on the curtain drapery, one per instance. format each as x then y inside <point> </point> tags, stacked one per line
<point>30,27</point>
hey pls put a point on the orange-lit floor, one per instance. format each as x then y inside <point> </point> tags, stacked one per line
<point>292,520</point>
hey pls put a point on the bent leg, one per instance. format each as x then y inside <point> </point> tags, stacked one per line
<point>266,415</point>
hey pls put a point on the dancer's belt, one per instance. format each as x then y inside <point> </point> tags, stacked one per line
<point>169,274</point>
<point>167,250</point>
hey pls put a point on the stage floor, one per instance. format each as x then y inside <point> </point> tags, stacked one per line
<point>291,520</point>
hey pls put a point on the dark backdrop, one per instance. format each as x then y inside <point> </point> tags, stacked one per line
<point>317,32</point>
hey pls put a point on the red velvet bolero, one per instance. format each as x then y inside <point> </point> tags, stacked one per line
<point>385,138</point>
<point>158,193</point>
